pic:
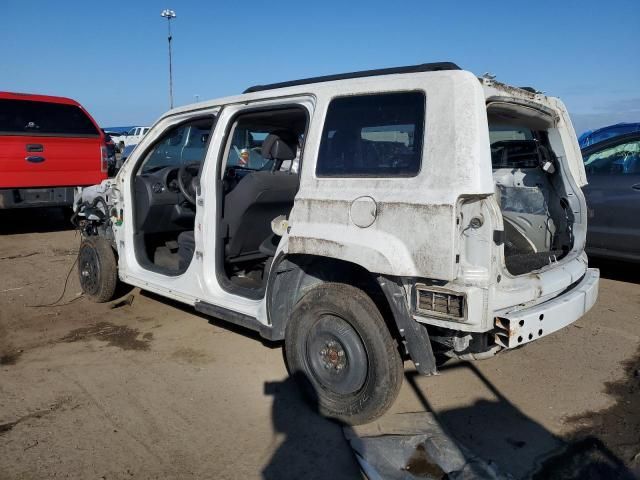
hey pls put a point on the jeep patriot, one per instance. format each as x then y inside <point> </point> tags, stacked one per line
<point>363,219</point>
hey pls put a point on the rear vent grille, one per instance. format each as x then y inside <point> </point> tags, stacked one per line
<point>439,303</point>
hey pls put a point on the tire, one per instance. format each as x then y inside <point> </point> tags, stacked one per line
<point>339,348</point>
<point>97,269</point>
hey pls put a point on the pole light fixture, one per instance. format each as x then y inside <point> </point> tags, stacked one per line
<point>169,15</point>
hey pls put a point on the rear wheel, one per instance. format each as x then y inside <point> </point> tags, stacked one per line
<point>338,346</point>
<point>97,269</point>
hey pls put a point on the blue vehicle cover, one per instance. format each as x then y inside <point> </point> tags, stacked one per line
<point>591,137</point>
<point>118,129</point>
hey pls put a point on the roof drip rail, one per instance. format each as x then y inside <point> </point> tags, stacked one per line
<point>425,67</point>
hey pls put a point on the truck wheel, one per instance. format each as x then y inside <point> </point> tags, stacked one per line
<point>97,269</point>
<point>339,348</point>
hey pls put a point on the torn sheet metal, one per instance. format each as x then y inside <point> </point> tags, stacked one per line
<point>407,446</point>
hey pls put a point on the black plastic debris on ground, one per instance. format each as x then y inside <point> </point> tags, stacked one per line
<point>408,446</point>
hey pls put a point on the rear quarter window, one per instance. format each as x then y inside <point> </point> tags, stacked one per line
<point>378,135</point>
<point>24,117</point>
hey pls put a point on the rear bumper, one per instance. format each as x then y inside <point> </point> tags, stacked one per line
<point>36,197</point>
<point>515,327</point>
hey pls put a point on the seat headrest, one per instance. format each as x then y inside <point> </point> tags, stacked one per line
<point>280,145</point>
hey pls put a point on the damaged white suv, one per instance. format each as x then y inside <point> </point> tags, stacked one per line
<point>362,218</point>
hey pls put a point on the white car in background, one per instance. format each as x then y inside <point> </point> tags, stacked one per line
<point>134,135</point>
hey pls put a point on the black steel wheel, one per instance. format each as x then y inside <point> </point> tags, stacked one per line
<point>340,349</point>
<point>335,355</point>
<point>97,269</point>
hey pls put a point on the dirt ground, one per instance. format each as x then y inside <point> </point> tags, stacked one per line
<point>150,389</point>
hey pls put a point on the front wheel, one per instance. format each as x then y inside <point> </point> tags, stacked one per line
<point>97,269</point>
<point>338,346</point>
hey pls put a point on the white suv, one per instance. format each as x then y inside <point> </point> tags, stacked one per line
<point>132,137</point>
<point>431,213</point>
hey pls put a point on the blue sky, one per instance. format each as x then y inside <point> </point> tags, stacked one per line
<point>112,56</point>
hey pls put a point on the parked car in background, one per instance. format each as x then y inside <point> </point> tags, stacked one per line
<point>124,155</point>
<point>48,146</point>
<point>116,137</point>
<point>111,154</point>
<point>613,197</point>
<point>591,137</point>
<point>134,135</point>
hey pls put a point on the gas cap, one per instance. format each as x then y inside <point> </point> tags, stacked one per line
<point>363,211</point>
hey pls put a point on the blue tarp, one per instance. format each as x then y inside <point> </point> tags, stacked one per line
<point>591,137</point>
<point>118,129</point>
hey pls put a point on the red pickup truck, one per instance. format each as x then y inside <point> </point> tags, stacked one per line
<point>48,146</point>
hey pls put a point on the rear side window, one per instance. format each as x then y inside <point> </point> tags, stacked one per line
<point>373,135</point>
<point>24,117</point>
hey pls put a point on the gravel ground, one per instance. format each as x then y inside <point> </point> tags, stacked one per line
<point>151,389</point>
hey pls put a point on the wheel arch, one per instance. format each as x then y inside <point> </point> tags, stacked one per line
<point>292,275</point>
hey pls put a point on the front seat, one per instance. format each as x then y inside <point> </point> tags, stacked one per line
<point>259,198</point>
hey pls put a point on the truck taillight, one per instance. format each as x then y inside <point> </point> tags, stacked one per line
<point>103,159</point>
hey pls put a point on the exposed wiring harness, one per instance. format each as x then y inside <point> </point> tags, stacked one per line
<point>56,303</point>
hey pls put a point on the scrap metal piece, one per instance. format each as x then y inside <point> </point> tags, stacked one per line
<point>406,446</point>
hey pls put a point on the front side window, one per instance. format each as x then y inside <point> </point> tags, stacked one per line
<point>251,130</point>
<point>622,159</point>
<point>245,148</point>
<point>25,117</point>
<point>377,135</point>
<point>180,145</point>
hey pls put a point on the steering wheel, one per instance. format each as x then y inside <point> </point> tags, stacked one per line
<point>186,175</point>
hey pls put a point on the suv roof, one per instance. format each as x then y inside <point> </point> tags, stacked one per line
<point>37,98</point>
<point>424,67</point>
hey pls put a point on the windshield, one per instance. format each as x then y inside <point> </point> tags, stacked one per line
<point>620,159</point>
<point>181,145</point>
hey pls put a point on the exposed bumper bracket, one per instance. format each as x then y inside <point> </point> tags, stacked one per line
<point>515,327</point>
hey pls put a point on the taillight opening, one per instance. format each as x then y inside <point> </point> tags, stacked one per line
<point>104,159</point>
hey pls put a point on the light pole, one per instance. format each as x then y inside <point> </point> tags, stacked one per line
<point>169,14</point>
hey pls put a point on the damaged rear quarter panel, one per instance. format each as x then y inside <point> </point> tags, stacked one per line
<point>414,233</point>
<point>393,245</point>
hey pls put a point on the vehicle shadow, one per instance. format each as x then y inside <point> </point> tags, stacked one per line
<point>616,269</point>
<point>212,320</point>
<point>499,432</point>
<point>313,447</point>
<point>35,220</point>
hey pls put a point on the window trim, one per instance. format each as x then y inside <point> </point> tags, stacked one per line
<point>374,175</point>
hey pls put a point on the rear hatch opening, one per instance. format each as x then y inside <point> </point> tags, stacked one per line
<point>530,188</point>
